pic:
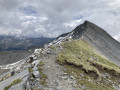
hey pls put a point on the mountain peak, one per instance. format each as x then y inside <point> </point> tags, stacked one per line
<point>87,27</point>
<point>89,24</point>
<point>79,30</point>
<point>86,22</point>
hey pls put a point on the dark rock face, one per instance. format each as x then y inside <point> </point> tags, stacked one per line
<point>99,39</point>
<point>78,31</point>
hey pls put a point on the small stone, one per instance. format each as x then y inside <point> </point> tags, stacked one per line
<point>119,86</point>
<point>70,82</point>
<point>98,82</point>
<point>59,76</point>
<point>57,65</point>
<point>57,82</point>
<point>65,78</point>
<point>82,75</point>
<point>71,77</point>
<point>59,88</point>
<point>34,58</point>
<point>83,87</point>
<point>80,86</point>
<point>64,73</point>
<point>89,80</point>
<point>91,58</point>
<point>80,79</point>
<point>36,73</point>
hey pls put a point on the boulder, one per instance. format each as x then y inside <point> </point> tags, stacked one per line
<point>36,73</point>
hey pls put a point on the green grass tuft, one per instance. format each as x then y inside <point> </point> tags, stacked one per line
<point>43,76</point>
<point>30,70</point>
<point>16,81</point>
<point>82,54</point>
<point>41,63</point>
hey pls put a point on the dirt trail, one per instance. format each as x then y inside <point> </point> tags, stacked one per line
<point>57,79</point>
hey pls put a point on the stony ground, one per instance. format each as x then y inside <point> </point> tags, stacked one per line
<point>10,79</point>
<point>57,79</point>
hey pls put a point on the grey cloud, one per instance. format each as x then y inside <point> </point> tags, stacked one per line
<point>8,4</point>
<point>51,18</point>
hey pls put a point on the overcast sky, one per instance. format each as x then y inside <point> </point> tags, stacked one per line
<point>50,18</point>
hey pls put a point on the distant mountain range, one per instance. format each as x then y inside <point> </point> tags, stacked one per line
<point>8,43</point>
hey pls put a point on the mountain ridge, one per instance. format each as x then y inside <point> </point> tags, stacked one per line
<point>97,37</point>
<point>71,61</point>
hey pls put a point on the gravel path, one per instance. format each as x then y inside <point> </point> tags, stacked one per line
<point>57,79</point>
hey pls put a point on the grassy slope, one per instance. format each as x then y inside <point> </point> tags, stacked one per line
<point>82,55</point>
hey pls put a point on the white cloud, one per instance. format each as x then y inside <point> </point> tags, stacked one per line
<point>51,18</point>
<point>73,23</point>
<point>117,37</point>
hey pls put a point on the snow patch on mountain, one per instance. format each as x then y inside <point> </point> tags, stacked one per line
<point>15,65</point>
<point>61,39</point>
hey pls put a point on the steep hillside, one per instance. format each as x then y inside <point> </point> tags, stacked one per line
<point>97,37</point>
<point>87,66</point>
<point>103,42</point>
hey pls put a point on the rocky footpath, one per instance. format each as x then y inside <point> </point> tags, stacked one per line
<point>27,70</point>
<point>56,78</point>
<point>20,70</point>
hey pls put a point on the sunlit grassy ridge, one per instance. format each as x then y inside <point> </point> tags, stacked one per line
<point>85,80</point>
<point>81,54</point>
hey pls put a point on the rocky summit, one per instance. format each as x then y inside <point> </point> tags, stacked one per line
<point>87,58</point>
